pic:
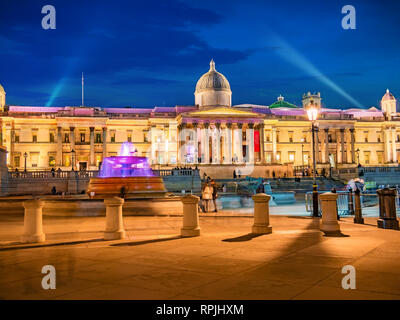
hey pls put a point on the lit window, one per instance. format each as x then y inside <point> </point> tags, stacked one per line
<point>291,156</point>
<point>17,160</point>
<point>83,137</point>
<point>52,161</point>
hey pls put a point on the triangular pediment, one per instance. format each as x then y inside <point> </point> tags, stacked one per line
<point>224,112</point>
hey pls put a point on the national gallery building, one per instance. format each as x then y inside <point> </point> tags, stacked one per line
<point>211,134</point>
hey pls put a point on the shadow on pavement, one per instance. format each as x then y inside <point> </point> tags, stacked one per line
<point>246,237</point>
<point>138,243</point>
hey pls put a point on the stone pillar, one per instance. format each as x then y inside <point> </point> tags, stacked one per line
<point>329,221</point>
<point>240,143</point>
<point>190,216</point>
<point>326,139</point>
<point>274,145</point>
<point>317,154</point>
<point>92,160</point>
<point>104,142</point>
<point>59,147</point>
<point>387,209</point>
<point>229,143</point>
<point>394,151</point>
<point>217,155</point>
<point>33,225</point>
<point>357,204</point>
<point>343,154</point>
<point>261,214</point>
<point>153,145</point>
<point>166,147</point>
<point>206,143</point>
<point>386,137</point>
<point>72,138</point>
<point>196,144</point>
<point>352,142</point>
<point>261,132</point>
<point>114,223</point>
<point>250,143</point>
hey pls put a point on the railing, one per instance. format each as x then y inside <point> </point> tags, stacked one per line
<point>52,174</point>
<point>379,169</point>
<point>90,174</point>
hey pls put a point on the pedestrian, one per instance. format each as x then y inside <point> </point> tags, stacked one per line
<point>53,172</point>
<point>207,196</point>
<point>234,174</point>
<point>273,174</point>
<point>214,194</point>
<point>239,173</point>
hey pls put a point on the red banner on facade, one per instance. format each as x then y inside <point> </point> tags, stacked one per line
<point>256,141</point>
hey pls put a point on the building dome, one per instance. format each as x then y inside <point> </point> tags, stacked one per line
<point>213,89</point>
<point>388,96</point>
<point>2,89</point>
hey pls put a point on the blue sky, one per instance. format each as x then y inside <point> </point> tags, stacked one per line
<point>147,53</point>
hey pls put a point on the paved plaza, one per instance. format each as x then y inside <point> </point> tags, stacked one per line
<point>296,261</point>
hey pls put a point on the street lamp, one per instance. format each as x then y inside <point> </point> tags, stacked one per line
<point>312,114</point>
<point>25,156</point>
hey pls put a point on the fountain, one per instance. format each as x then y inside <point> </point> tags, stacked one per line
<point>126,175</point>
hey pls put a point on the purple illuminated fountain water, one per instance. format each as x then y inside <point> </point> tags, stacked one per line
<point>126,164</point>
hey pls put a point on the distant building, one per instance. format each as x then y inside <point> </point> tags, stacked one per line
<point>210,133</point>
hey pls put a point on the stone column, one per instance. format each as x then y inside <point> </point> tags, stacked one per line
<point>394,151</point>
<point>153,145</point>
<point>261,131</point>
<point>343,154</point>
<point>166,139</point>
<point>59,147</point>
<point>317,155</point>
<point>206,143</point>
<point>92,160</point>
<point>190,216</point>
<point>229,143</point>
<point>261,214</point>
<point>352,142</point>
<point>387,145</point>
<point>114,223</point>
<point>104,142</point>
<point>72,137</point>
<point>329,222</point>
<point>240,143</point>
<point>196,144</point>
<point>326,145</point>
<point>33,225</point>
<point>250,143</point>
<point>274,145</point>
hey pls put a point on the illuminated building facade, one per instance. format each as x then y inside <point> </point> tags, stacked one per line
<point>210,133</point>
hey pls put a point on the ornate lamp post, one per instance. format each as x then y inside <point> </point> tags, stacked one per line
<point>312,113</point>
<point>25,156</point>
<point>358,157</point>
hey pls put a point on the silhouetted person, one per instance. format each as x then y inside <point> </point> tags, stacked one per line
<point>53,190</point>
<point>234,174</point>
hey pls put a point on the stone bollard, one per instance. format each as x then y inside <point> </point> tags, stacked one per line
<point>387,209</point>
<point>114,223</point>
<point>329,222</point>
<point>190,216</point>
<point>261,214</point>
<point>357,203</point>
<point>33,223</point>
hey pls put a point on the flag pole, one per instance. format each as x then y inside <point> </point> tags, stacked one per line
<point>82,91</point>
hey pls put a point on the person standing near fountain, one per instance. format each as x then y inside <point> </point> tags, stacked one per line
<point>207,196</point>
<point>214,194</point>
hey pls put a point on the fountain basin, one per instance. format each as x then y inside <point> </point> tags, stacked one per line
<point>128,187</point>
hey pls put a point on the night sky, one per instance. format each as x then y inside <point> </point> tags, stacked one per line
<point>151,53</point>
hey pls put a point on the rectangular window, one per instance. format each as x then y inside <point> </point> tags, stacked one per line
<point>379,155</point>
<point>267,137</point>
<point>365,136</point>
<point>98,159</point>
<point>112,135</point>
<point>367,157</point>
<point>277,136</point>
<point>52,161</point>
<point>67,160</point>
<point>51,137</point>
<point>378,134</point>
<point>17,161</point>
<point>278,157</point>
<point>83,137</point>
<point>291,155</point>
<point>16,137</point>
<point>34,137</point>
<point>290,136</point>
<point>98,138</point>
<point>129,138</point>
<point>268,158</point>
<point>66,137</point>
